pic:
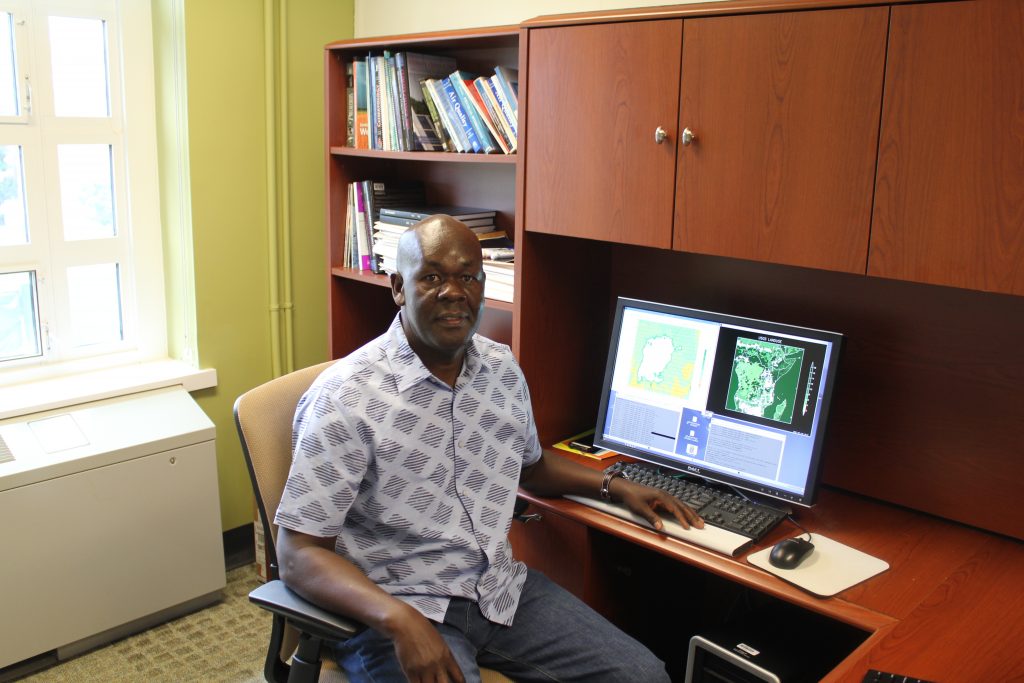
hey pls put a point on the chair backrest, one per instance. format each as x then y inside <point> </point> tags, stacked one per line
<point>264,418</point>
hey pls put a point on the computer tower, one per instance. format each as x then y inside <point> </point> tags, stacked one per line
<point>724,658</point>
<point>774,644</point>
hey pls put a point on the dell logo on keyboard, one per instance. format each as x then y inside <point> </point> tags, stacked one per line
<point>691,468</point>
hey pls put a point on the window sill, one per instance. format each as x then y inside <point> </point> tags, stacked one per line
<point>69,390</point>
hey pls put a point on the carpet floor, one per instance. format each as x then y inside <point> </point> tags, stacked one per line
<point>223,643</point>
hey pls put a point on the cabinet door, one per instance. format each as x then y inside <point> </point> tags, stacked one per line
<point>595,97</point>
<point>785,111</point>
<point>949,206</point>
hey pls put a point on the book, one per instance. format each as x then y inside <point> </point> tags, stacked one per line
<point>397,221</point>
<point>499,280</point>
<point>495,271</point>
<point>474,224</point>
<point>583,444</point>
<point>459,80</point>
<point>508,81</point>
<point>495,240</point>
<point>361,229</point>
<point>397,139</point>
<point>346,251</point>
<point>447,112</point>
<point>499,254</point>
<point>498,291</point>
<point>350,107</point>
<point>362,121</point>
<point>375,101</point>
<point>388,229</point>
<point>456,129</point>
<point>507,137</point>
<point>506,107</point>
<point>385,195</point>
<point>461,116</point>
<point>387,119</point>
<point>421,212</point>
<point>404,120</point>
<point>417,68</point>
<point>380,195</point>
<point>486,111</point>
<point>386,111</point>
<point>435,118</point>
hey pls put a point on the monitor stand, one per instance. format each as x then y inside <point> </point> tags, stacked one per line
<point>759,498</point>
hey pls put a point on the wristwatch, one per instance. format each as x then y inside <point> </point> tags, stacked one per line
<point>606,493</point>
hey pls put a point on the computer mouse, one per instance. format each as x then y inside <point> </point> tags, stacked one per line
<point>788,554</point>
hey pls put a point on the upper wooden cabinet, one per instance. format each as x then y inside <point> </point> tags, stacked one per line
<point>784,107</point>
<point>597,95</point>
<point>949,196</point>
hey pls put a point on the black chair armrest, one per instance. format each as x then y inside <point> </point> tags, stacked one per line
<point>277,598</point>
<point>519,512</point>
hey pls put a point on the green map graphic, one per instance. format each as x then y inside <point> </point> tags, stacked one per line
<point>664,357</point>
<point>764,379</point>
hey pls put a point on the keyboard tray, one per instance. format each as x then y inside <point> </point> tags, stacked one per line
<point>710,537</point>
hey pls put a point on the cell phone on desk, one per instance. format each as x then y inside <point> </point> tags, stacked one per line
<point>585,443</point>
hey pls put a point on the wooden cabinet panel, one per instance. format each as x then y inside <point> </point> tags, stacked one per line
<point>596,95</point>
<point>949,198</point>
<point>556,546</point>
<point>785,111</point>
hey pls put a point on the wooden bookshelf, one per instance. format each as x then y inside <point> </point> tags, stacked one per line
<point>360,304</point>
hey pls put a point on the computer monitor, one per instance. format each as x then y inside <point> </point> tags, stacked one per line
<point>734,400</point>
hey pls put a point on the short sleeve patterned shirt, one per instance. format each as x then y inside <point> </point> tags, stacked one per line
<point>416,480</point>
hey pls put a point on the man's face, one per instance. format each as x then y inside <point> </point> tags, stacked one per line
<point>442,292</point>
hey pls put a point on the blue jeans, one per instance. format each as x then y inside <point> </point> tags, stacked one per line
<point>555,637</point>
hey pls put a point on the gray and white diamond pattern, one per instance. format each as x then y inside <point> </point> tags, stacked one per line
<point>415,480</point>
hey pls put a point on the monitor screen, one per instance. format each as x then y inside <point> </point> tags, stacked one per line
<point>739,401</point>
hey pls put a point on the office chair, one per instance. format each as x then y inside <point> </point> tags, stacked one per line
<point>296,652</point>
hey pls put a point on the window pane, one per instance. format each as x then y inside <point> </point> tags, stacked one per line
<point>19,316</point>
<point>78,52</point>
<point>13,225</point>
<point>8,75</point>
<point>94,296</point>
<point>86,191</point>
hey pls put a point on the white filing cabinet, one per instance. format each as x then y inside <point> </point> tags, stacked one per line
<point>109,521</point>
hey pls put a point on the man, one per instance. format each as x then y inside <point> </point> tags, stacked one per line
<point>408,454</point>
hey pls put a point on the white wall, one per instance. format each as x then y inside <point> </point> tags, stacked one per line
<point>390,17</point>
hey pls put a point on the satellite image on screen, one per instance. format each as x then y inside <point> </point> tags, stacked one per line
<point>664,358</point>
<point>765,378</point>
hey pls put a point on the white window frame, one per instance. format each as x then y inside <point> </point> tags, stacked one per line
<point>131,130</point>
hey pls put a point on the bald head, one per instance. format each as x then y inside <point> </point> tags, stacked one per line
<point>430,235</point>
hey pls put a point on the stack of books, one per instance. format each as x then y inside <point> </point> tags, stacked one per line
<point>500,283</point>
<point>494,242</point>
<point>366,199</point>
<point>411,102</point>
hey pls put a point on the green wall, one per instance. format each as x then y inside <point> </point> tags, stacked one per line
<point>310,26</point>
<point>234,189</point>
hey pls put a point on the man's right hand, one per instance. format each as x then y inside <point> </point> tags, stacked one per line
<point>310,567</point>
<point>422,653</point>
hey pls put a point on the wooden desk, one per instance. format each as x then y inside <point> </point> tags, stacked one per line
<point>949,609</point>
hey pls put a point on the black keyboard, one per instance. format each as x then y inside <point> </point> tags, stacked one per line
<point>714,504</point>
<point>875,676</point>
